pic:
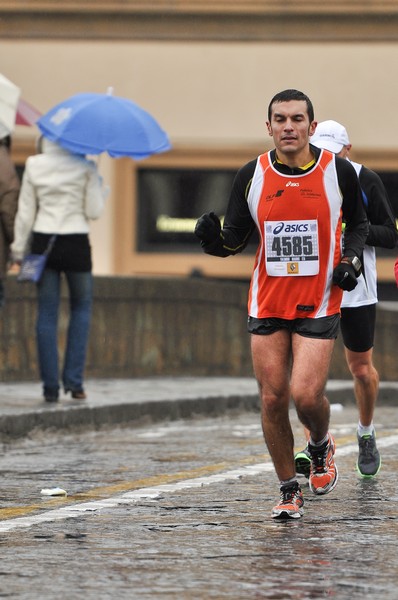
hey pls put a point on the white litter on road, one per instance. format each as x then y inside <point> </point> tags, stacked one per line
<point>53,492</point>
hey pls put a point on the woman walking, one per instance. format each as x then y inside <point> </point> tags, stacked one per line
<point>60,193</point>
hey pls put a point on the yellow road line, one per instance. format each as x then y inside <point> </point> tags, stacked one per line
<point>126,486</point>
<point>153,481</point>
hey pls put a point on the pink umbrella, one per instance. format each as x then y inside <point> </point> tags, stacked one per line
<point>26,113</point>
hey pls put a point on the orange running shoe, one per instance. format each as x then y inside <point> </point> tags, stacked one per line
<point>323,474</point>
<point>291,504</point>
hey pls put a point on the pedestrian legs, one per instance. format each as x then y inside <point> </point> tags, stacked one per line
<point>48,292</point>
<point>80,298</point>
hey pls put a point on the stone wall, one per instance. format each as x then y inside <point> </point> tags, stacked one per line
<point>143,327</point>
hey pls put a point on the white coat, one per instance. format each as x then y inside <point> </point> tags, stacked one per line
<point>60,193</point>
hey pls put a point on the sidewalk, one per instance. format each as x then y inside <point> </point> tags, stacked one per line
<point>134,401</point>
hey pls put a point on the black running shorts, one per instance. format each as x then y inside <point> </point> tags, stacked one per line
<point>325,328</point>
<point>358,327</point>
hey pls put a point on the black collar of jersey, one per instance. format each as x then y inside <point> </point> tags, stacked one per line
<point>285,170</point>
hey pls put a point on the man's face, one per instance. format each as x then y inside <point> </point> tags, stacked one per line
<point>290,126</point>
<point>344,152</point>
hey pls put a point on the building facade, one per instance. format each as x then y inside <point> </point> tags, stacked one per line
<point>206,71</point>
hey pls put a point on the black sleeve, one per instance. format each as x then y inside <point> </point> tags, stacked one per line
<point>238,224</point>
<point>354,215</point>
<point>382,227</point>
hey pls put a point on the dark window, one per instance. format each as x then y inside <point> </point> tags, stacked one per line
<point>171,200</point>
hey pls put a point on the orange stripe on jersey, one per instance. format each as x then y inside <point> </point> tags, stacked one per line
<point>299,221</point>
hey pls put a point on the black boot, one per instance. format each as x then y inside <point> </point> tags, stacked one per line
<point>51,394</point>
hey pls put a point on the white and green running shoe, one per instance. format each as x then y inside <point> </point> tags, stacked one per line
<point>302,461</point>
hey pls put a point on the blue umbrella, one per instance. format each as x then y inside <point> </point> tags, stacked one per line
<point>95,123</point>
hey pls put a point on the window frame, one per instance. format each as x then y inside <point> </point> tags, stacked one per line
<point>128,260</point>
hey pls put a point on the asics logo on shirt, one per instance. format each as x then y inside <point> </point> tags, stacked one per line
<point>292,184</point>
<point>290,228</point>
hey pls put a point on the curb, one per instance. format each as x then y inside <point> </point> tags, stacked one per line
<point>82,418</point>
<point>66,418</point>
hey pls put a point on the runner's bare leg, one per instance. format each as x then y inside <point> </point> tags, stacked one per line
<point>308,381</point>
<point>366,383</point>
<point>271,356</point>
<point>308,375</point>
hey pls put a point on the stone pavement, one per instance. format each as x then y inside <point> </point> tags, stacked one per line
<point>136,401</point>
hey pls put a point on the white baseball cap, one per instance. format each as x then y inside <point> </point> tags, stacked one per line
<point>330,135</point>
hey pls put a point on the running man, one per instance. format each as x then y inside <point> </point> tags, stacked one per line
<point>296,196</point>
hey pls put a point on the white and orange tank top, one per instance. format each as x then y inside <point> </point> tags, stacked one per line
<point>298,218</point>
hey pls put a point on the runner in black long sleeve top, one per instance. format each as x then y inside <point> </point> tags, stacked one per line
<point>238,224</point>
<point>296,196</point>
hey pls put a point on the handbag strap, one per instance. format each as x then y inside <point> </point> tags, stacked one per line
<point>50,244</point>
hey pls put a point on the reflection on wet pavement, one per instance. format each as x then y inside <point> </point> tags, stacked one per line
<point>214,541</point>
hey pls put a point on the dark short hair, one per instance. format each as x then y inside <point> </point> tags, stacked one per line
<point>287,96</point>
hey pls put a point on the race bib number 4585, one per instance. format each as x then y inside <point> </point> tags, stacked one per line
<point>291,247</point>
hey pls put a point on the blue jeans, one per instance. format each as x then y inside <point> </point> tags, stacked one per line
<point>80,301</point>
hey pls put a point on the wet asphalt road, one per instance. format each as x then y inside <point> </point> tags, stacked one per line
<point>181,510</point>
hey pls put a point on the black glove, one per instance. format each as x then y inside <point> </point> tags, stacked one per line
<point>208,228</point>
<point>344,276</point>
